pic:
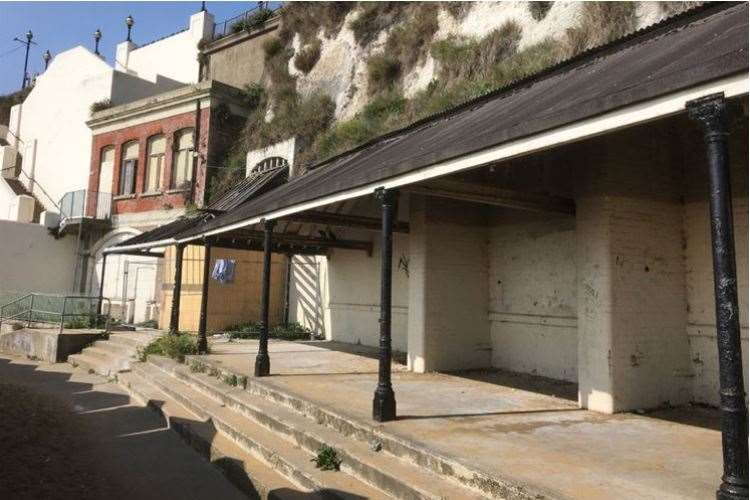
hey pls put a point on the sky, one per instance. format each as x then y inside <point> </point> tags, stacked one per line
<point>58,26</point>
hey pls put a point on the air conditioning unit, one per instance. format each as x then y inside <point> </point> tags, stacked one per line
<point>11,168</point>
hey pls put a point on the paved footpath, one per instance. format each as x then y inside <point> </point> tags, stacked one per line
<point>67,434</point>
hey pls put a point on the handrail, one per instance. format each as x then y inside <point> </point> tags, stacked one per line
<point>34,182</point>
<point>15,300</point>
<point>94,310</point>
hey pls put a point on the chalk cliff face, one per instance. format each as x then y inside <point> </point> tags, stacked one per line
<point>341,71</point>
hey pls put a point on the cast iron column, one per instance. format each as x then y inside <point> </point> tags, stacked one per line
<point>384,401</point>
<point>101,282</point>
<point>174,319</point>
<point>202,341</point>
<point>711,113</point>
<point>262,361</point>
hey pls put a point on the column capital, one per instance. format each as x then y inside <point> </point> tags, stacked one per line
<point>711,112</point>
<point>268,224</point>
<point>386,196</point>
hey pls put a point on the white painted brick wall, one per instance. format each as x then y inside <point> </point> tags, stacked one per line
<point>633,349</point>
<point>532,293</point>
<point>448,322</point>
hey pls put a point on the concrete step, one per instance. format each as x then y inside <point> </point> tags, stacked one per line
<point>115,361</point>
<point>461,473</point>
<point>90,364</point>
<point>132,339</point>
<point>115,348</point>
<point>394,476</point>
<point>291,461</point>
<point>247,473</point>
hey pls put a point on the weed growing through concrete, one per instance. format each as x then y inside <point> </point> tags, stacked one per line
<point>327,459</point>
<point>173,346</point>
<point>197,367</point>
<point>242,381</point>
<point>230,379</point>
<point>213,372</point>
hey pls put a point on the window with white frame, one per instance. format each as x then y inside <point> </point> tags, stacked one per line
<point>155,163</point>
<point>182,164</point>
<point>129,167</point>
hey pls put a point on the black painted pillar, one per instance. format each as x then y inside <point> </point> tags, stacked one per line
<point>262,361</point>
<point>711,113</point>
<point>202,340</point>
<point>174,319</point>
<point>101,283</point>
<point>384,401</point>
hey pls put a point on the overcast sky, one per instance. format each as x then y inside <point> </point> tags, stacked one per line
<point>59,26</point>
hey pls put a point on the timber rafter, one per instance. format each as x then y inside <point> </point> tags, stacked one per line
<point>490,195</point>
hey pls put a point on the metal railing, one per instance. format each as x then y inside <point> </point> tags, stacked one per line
<point>260,13</point>
<point>85,204</point>
<point>63,311</point>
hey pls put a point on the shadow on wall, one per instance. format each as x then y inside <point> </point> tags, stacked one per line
<point>306,297</point>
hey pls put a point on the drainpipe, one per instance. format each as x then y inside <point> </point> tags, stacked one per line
<point>79,256</point>
<point>196,149</point>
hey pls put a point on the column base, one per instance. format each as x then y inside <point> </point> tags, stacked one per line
<point>202,345</point>
<point>384,405</point>
<point>729,491</point>
<point>262,365</point>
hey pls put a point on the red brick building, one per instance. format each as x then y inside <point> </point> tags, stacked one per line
<point>155,153</point>
<point>155,157</point>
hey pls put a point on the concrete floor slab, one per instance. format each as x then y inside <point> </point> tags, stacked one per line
<point>527,429</point>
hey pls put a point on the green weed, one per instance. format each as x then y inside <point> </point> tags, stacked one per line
<point>327,459</point>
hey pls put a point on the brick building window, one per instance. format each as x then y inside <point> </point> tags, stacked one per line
<point>106,167</point>
<point>129,168</point>
<point>182,165</point>
<point>155,163</point>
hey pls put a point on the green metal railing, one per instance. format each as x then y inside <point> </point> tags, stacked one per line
<point>63,311</point>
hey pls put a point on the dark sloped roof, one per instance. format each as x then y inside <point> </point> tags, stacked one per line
<point>243,191</point>
<point>700,46</point>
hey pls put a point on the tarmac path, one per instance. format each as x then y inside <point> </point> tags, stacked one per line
<point>65,434</point>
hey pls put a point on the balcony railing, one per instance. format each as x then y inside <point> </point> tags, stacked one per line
<point>248,19</point>
<point>85,204</point>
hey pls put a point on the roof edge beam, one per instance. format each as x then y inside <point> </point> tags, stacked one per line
<point>488,195</point>
<point>247,238</point>
<point>343,220</point>
<point>136,252</point>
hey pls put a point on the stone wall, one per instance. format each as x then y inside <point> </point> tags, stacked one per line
<point>237,59</point>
